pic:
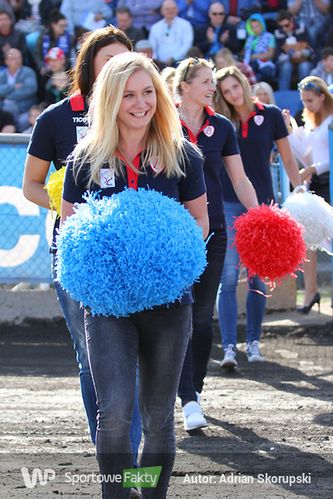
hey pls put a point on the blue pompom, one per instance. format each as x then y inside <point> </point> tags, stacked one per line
<point>129,252</point>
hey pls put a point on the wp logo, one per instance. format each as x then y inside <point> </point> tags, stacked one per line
<point>31,479</point>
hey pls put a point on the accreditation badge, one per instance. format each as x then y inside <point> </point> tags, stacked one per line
<point>81,131</point>
<point>107,178</point>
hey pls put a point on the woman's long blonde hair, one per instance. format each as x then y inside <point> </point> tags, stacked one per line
<point>220,104</point>
<point>164,140</point>
<point>318,86</point>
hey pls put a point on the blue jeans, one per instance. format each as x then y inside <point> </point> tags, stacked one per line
<point>286,71</point>
<point>264,73</point>
<point>198,351</point>
<point>74,317</point>
<point>159,339</point>
<point>227,297</point>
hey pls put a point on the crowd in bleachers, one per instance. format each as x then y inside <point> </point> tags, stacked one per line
<point>275,41</point>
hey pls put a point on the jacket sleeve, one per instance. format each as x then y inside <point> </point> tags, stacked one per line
<point>28,81</point>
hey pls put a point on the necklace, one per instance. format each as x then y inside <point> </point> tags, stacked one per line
<point>192,123</point>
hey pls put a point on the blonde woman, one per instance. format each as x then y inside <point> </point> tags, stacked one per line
<point>258,127</point>
<point>56,132</point>
<point>195,84</point>
<point>133,122</point>
<point>310,144</point>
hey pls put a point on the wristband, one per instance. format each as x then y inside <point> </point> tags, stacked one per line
<point>299,188</point>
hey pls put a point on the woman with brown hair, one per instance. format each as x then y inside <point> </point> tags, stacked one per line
<point>258,126</point>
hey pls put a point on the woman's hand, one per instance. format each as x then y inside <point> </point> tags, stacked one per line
<point>306,173</point>
<point>287,119</point>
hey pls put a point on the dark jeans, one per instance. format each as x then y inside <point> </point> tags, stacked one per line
<point>198,351</point>
<point>264,73</point>
<point>158,338</point>
<point>74,317</point>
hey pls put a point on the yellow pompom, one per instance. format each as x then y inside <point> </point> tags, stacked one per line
<point>54,188</point>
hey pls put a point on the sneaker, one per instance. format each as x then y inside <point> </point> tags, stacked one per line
<point>193,416</point>
<point>135,494</point>
<point>229,360</point>
<point>253,353</point>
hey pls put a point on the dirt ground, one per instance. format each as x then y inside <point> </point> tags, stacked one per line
<point>268,423</point>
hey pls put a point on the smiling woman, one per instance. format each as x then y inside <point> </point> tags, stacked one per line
<point>136,141</point>
<point>54,136</point>
<point>138,105</point>
<point>194,83</point>
<point>258,127</point>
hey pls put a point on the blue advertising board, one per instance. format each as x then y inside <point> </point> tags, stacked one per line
<point>26,229</point>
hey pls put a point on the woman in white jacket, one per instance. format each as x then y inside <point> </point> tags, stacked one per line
<point>311,147</point>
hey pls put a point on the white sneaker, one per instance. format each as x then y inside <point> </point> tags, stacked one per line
<point>135,494</point>
<point>193,416</point>
<point>229,360</point>
<point>253,353</point>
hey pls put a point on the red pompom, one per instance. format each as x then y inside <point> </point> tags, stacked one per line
<point>269,242</point>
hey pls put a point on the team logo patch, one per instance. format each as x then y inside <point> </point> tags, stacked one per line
<point>107,178</point>
<point>258,119</point>
<point>155,166</point>
<point>209,130</point>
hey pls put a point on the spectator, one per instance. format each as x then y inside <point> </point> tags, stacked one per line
<point>145,47</point>
<point>260,48</point>
<point>145,14</point>
<point>34,112</point>
<point>10,38</point>
<point>239,10</point>
<point>219,33</point>
<point>270,9</point>
<point>294,50</point>
<point>18,87</point>
<point>172,36</point>
<point>80,14</point>
<point>195,12</point>
<point>7,122</point>
<point>194,52</point>
<point>31,14</point>
<point>225,58</point>
<point>57,85</point>
<point>125,23</point>
<point>324,68</point>
<point>264,92</point>
<point>313,13</point>
<point>168,75</point>
<point>6,7</point>
<point>54,35</point>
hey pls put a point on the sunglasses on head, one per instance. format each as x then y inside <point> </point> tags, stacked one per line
<point>192,62</point>
<point>309,85</point>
